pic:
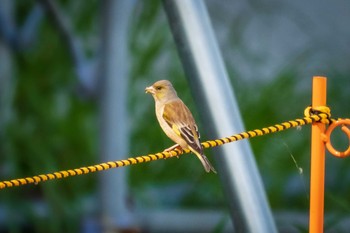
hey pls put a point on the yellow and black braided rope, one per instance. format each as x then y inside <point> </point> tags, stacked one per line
<point>311,117</point>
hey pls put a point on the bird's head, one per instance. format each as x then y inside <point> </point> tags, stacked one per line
<point>162,90</point>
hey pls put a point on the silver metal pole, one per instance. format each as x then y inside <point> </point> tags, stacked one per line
<point>113,86</point>
<point>214,96</point>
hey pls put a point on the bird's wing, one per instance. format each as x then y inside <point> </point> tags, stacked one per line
<point>180,119</point>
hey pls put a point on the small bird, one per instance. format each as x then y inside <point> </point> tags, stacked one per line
<point>177,121</point>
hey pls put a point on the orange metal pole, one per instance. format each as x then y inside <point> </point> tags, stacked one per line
<point>317,173</point>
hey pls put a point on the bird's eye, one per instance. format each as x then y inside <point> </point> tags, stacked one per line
<point>158,88</point>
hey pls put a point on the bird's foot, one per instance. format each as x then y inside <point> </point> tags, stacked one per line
<point>176,146</point>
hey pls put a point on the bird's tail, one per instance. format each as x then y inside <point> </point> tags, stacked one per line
<point>205,161</point>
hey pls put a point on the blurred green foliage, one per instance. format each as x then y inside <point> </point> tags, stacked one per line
<point>54,128</point>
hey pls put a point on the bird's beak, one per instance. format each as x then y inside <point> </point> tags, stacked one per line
<point>149,90</point>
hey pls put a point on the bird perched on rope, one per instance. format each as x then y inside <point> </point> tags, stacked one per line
<point>177,121</point>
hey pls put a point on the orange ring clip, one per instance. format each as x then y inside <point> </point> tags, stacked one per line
<point>327,137</point>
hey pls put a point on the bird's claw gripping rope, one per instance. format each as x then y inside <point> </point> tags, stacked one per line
<point>312,115</point>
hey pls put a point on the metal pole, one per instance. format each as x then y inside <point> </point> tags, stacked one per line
<point>214,96</point>
<point>114,139</point>
<point>317,171</point>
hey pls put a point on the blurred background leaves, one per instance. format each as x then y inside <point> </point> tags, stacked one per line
<point>49,123</point>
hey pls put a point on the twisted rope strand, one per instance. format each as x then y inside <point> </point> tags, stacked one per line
<point>318,117</point>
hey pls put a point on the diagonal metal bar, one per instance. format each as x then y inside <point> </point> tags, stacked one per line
<point>217,105</point>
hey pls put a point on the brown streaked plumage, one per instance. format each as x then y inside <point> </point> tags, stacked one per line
<point>177,121</point>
